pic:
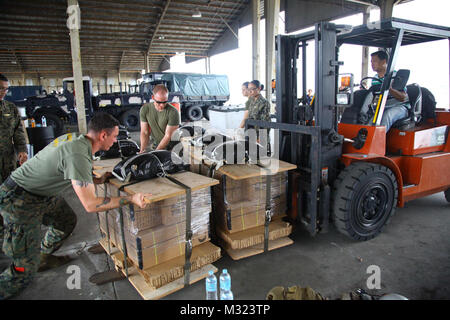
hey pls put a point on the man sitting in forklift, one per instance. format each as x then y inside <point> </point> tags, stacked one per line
<point>397,104</point>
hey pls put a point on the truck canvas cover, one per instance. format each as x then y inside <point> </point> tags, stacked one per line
<point>197,85</point>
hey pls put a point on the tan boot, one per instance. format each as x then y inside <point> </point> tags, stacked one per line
<point>49,261</point>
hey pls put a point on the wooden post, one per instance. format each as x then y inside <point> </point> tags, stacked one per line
<point>73,23</point>
<point>256,68</point>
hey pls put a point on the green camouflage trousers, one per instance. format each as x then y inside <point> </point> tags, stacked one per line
<point>6,167</point>
<point>23,214</point>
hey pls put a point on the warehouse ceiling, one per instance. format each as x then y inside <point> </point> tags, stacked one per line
<point>114,34</point>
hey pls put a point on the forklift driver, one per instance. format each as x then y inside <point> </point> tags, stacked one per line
<point>397,104</point>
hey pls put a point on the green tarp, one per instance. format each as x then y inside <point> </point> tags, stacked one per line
<point>191,84</point>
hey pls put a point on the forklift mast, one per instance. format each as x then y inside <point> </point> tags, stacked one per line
<point>311,142</point>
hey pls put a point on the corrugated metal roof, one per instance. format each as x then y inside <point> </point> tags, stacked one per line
<point>114,34</point>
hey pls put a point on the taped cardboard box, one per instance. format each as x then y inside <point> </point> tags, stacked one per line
<point>173,210</point>
<point>156,245</point>
<point>242,216</point>
<point>168,211</point>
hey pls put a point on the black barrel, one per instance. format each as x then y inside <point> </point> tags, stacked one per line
<point>40,137</point>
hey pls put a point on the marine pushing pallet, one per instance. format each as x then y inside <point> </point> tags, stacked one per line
<point>161,243</point>
<point>247,213</point>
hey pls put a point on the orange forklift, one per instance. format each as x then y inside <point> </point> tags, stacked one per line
<point>349,170</point>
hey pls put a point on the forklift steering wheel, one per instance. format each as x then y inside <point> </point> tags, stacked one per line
<point>361,83</point>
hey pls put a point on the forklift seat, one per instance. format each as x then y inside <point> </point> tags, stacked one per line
<point>415,111</point>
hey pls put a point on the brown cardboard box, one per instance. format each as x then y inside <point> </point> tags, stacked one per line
<point>241,216</point>
<point>168,211</point>
<point>155,245</point>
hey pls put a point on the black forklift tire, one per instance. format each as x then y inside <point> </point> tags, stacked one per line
<point>194,113</point>
<point>447,194</point>
<point>364,199</point>
<point>54,121</point>
<point>131,119</point>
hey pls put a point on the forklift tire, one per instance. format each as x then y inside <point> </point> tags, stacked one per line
<point>364,199</point>
<point>131,119</point>
<point>447,194</point>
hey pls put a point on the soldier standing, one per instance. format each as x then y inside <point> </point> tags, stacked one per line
<point>12,137</point>
<point>12,133</point>
<point>257,107</point>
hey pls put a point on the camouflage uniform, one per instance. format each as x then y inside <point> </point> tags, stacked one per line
<point>23,213</point>
<point>12,136</point>
<point>258,109</point>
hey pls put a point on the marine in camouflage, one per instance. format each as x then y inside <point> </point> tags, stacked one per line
<point>23,214</point>
<point>13,137</point>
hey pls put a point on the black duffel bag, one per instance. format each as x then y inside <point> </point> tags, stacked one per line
<point>149,165</point>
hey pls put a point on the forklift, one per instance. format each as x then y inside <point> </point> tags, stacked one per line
<point>350,172</point>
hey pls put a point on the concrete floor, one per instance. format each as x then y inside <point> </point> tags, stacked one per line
<point>412,252</point>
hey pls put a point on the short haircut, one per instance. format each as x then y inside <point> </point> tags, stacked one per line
<point>245,84</point>
<point>382,55</point>
<point>3,78</point>
<point>257,84</point>
<point>160,88</point>
<point>102,121</point>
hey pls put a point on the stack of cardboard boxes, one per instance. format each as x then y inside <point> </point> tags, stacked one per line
<point>156,234</point>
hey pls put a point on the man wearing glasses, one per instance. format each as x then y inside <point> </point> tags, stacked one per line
<point>159,120</point>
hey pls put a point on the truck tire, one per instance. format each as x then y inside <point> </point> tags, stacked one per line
<point>54,121</point>
<point>363,200</point>
<point>131,119</point>
<point>205,110</point>
<point>194,113</point>
<point>447,194</point>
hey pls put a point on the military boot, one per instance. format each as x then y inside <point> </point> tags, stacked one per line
<point>49,261</point>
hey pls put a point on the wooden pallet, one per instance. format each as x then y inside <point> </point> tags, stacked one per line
<point>138,281</point>
<point>250,242</point>
<point>238,254</point>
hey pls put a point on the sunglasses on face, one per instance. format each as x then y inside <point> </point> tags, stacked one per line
<point>161,102</point>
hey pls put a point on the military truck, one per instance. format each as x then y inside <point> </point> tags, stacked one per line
<point>193,93</point>
<point>196,93</point>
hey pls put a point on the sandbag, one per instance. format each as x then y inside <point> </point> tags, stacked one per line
<point>293,293</point>
<point>149,165</point>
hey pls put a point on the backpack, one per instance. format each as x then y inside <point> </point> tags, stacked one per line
<point>428,101</point>
<point>149,165</point>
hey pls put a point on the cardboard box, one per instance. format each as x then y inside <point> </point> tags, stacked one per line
<point>242,216</point>
<point>155,245</point>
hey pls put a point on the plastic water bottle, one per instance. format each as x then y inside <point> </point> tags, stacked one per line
<point>44,121</point>
<point>225,286</point>
<point>211,286</point>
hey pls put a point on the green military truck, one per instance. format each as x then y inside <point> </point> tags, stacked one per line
<point>196,93</point>
<point>193,93</point>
